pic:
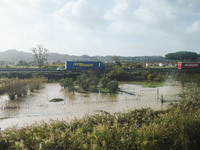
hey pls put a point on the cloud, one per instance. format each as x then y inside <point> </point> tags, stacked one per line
<point>124,27</point>
<point>23,24</point>
<point>154,17</point>
<point>79,14</point>
<point>194,27</point>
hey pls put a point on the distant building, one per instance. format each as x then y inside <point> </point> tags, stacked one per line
<point>162,65</point>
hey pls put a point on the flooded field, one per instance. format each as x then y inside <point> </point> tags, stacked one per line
<point>35,107</point>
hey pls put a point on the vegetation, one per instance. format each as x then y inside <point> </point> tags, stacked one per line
<point>22,63</point>
<point>40,55</point>
<point>14,87</point>
<point>104,80</point>
<point>90,82</point>
<point>182,56</point>
<point>112,86</point>
<point>68,83</point>
<point>17,87</point>
<point>119,74</point>
<point>150,84</point>
<point>116,61</point>
<point>175,128</point>
<point>150,77</point>
<point>36,83</point>
<point>83,81</point>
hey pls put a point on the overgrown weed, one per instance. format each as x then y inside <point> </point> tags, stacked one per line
<point>176,128</point>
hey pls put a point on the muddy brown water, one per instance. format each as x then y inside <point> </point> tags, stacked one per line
<point>35,107</point>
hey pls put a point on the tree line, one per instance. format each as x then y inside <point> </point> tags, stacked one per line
<point>87,82</point>
<point>183,56</point>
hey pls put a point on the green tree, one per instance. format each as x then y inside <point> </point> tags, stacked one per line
<point>182,56</point>
<point>118,73</point>
<point>22,63</point>
<point>109,65</point>
<point>68,83</point>
<point>40,55</point>
<point>104,80</point>
<point>83,81</point>
<point>95,81</point>
<point>94,77</point>
<point>116,61</point>
<point>112,86</point>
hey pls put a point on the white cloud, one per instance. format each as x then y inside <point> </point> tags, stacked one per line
<point>194,27</point>
<point>148,17</point>
<point>145,15</point>
<point>80,14</point>
<point>124,27</point>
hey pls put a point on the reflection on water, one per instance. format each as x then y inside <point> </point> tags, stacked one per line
<point>36,106</point>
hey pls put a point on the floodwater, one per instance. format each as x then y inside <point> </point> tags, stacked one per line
<point>35,107</point>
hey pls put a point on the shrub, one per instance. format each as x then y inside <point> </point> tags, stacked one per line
<point>119,74</point>
<point>174,128</point>
<point>36,83</point>
<point>112,86</point>
<point>104,80</point>
<point>95,81</point>
<point>150,77</point>
<point>83,81</point>
<point>68,83</point>
<point>15,87</point>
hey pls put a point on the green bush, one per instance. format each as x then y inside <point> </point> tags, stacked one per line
<point>68,83</point>
<point>36,83</point>
<point>19,87</point>
<point>150,77</point>
<point>83,81</point>
<point>104,80</point>
<point>15,87</point>
<point>95,81</point>
<point>175,128</point>
<point>112,86</point>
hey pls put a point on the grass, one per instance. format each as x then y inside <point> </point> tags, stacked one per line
<point>102,90</point>
<point>176,128</point>
<point>94,90</point>
<point>149,84</point>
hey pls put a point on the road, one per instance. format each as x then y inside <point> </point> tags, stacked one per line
<point>107,70</point>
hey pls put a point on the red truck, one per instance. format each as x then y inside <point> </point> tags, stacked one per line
<point>182,65</point>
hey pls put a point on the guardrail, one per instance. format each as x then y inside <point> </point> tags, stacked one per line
<point>106,70</point>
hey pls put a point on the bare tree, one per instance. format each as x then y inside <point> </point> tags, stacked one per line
<point>40,55</point>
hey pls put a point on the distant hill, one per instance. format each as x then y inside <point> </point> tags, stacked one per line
<point>14,56</point>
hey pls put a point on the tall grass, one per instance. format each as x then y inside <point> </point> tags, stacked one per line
<point>35,83</point>
<point>15,87</point>
<point>176,128</point>
<point>18,87</point>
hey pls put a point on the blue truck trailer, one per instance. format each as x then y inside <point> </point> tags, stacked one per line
<point>84,65</point>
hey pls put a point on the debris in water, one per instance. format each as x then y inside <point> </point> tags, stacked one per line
<point>56,100</point>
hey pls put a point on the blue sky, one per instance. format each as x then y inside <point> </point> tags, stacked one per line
<point>101,27</point>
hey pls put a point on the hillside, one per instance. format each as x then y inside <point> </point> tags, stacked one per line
<point>15,55</point>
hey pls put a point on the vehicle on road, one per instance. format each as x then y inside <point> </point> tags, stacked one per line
<point>84,65</point>
<point>60,68</point>
<point>182,65</point>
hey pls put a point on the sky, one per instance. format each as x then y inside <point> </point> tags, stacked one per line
<point>101,27</point>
